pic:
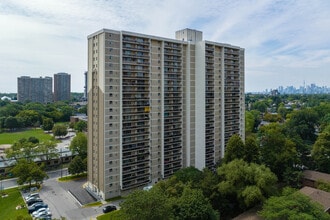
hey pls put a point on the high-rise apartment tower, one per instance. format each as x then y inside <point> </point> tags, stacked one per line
<point>62,87</point>
<point>34,89</point>
<point>156,105</point>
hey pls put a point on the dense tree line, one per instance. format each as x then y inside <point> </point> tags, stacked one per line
<point>14,115</point>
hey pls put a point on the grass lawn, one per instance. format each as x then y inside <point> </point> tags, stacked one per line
<point>73,177</point>
<point>11,137</point>
<point>8,205</point>
<point>115,215</point>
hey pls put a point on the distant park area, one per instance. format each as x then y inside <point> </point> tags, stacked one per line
<point>12,137</point>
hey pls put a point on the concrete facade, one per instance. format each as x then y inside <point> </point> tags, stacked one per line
<point>62,87</point>
<point>34,89</point>
<point>156,105</point>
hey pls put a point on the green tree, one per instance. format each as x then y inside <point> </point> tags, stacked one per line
<point>249,184</point>
<point>303,123</point>
<point>321,152</point>
<point>11,123</point>
<point>10,109</point>
<point>59,130</point>
<point>33,140</point>
<point>48,150</point>
<point>27,172</point>
<point>249,122</point>
<point>277,152</point>
<point>188,174</point>
<point>251,150</point>
<point>80,126</point>
<point>47,124</point>
<point>325,122</point>
<point>193,205</point>
<point>292,205</point>
<point>208,183</point>
<point>257,118</point>
<point>66,111</point>
<point>152,204</point>
<point>77,166</point>
<point>83,109</point>
<point>22,149</point>
<point>35,106</point>
<point>29,117</point>
<point>234,149</point>
<point>2,122</point>
<point>261,106</point>
<point>272,117</point>
<point>78,145</point>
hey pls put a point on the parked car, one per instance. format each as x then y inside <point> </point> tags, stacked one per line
<point>44,217</point>
<point>41,212</point>
<point>34,200</point>
<point>31,195</point>
<point>36,206</point>
<point>30,198</point>
<point>109,208</point>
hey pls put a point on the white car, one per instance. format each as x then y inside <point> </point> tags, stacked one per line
<point>41,210</point>
<point>43,214</point>
<point>31,195</point>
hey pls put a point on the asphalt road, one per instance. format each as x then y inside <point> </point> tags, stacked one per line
<point>8,183</point>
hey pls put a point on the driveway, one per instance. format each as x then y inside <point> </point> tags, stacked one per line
<point>63,204</point>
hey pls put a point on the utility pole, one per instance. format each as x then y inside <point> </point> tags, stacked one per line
<point>61,162</point>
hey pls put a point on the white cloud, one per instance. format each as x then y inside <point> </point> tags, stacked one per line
<point>284,40</point>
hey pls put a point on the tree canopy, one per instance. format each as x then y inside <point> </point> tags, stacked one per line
<point>27,172</point>
<point>292,205</point>
<point>277,151</point>
<point>78,145</point>
<point>47,124</point>
<point>234,149</point>
<point>250,183</point>
<point>77,166</point>
<point>80,126</point>
<point>59,130</point>
<point>321,152</point>
<point>22,149</point>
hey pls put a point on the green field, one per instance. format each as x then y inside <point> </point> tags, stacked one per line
<point>11,137</point>
<point>8,206</point>
<point>115,215</point>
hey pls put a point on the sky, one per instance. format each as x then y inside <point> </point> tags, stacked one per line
<point>286,42</point>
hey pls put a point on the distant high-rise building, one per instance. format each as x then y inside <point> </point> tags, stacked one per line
<point>34,89</point>
<point>157,105</point>
<point>62,87</point>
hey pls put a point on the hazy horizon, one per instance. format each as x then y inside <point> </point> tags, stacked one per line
<point>286,42</point>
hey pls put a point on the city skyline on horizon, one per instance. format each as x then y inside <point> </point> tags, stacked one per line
<point>286,42</point>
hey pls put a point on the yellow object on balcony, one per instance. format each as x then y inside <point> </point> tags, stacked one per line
<point>147,109</point>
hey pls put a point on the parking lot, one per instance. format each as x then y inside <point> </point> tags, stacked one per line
<point>63,204</point>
